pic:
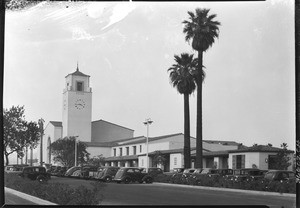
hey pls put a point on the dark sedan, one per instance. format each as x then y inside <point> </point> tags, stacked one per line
<point>132,174</point>
<point>38,173</point>
<point>247,174</point>
<point>106,173</point>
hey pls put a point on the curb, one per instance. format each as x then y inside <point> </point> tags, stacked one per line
<point>28,197</point>
<point>230,190</point>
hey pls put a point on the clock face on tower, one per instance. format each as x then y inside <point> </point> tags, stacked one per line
<point>79,104</point>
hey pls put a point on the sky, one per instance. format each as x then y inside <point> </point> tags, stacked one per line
<point>127,48</point>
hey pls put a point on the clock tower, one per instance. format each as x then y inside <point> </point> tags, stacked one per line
<point>77,106</point>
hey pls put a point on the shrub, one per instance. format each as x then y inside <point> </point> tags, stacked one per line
<point>58,193</point>
<point>162,178</point>
<point>215,181</point>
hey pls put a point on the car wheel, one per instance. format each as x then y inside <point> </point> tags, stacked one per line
<point>127,180</point>
<point>41,179</point>
<point>149,180</point>
<point>108,179</point>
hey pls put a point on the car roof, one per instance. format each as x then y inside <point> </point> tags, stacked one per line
<point>27,167</point>
<point>285,171</point>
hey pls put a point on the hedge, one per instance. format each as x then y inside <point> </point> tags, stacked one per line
<point>58,193</point>
<point>205,180</point>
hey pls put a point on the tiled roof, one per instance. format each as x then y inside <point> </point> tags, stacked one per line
<point>112,143</point>
<point>150,139</point>
<point>56,123</point>
<point>258,148</point>
<point>221,142</point>
<point>78,73</point>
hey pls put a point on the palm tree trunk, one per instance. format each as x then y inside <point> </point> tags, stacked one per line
<point>199,155</point>
<point>187,145</point>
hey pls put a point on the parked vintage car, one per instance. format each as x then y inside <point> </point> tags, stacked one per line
<point>182,176</point>
<point>153,171</point>
<point>221,172</point>
<point>71,170</point>
<point>88,172</point>
<point>279,175</point>
<point>247,174</point>
<point>16,169</point>
<point>276,177</point>
<point>132,174</point>
<point>54,170</point>
<point>200,173</point>
<point>35,173</point>
<point>62,171</point>
<point>106,173</point>
<point>177,170</point>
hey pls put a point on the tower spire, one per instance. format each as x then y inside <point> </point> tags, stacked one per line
<point>77,67</point>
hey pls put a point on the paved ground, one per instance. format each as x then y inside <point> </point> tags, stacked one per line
<point>171,194</point>
<point>161,194</point>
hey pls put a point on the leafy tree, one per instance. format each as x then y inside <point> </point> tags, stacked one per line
<point>202,30</point>
<point>96,160</point>
<point>282,159</point>
<point>33,134</point>
<point>159,158</point>
<point>17,132</point>
<point>182,79</point>
<point>63,151</point>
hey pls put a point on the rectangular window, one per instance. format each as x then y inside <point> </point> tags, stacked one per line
<point>140,148</point>
<point>175,160</point>
<point>127,150</point>
<point>79,86</point>
<point>134,150</point>
<point>121,151</point>
<point>115,152</point>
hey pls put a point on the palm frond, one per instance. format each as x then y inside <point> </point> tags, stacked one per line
<point>201,29</point>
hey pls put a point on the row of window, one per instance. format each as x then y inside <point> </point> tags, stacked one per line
<point>127,150</point>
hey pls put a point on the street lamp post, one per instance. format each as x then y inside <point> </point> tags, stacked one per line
<point>147,123</point>
<point>41,128</point>
<point>75,151</point>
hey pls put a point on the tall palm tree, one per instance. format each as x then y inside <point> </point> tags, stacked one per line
<point>202,30</point>
<point>182,79</point>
